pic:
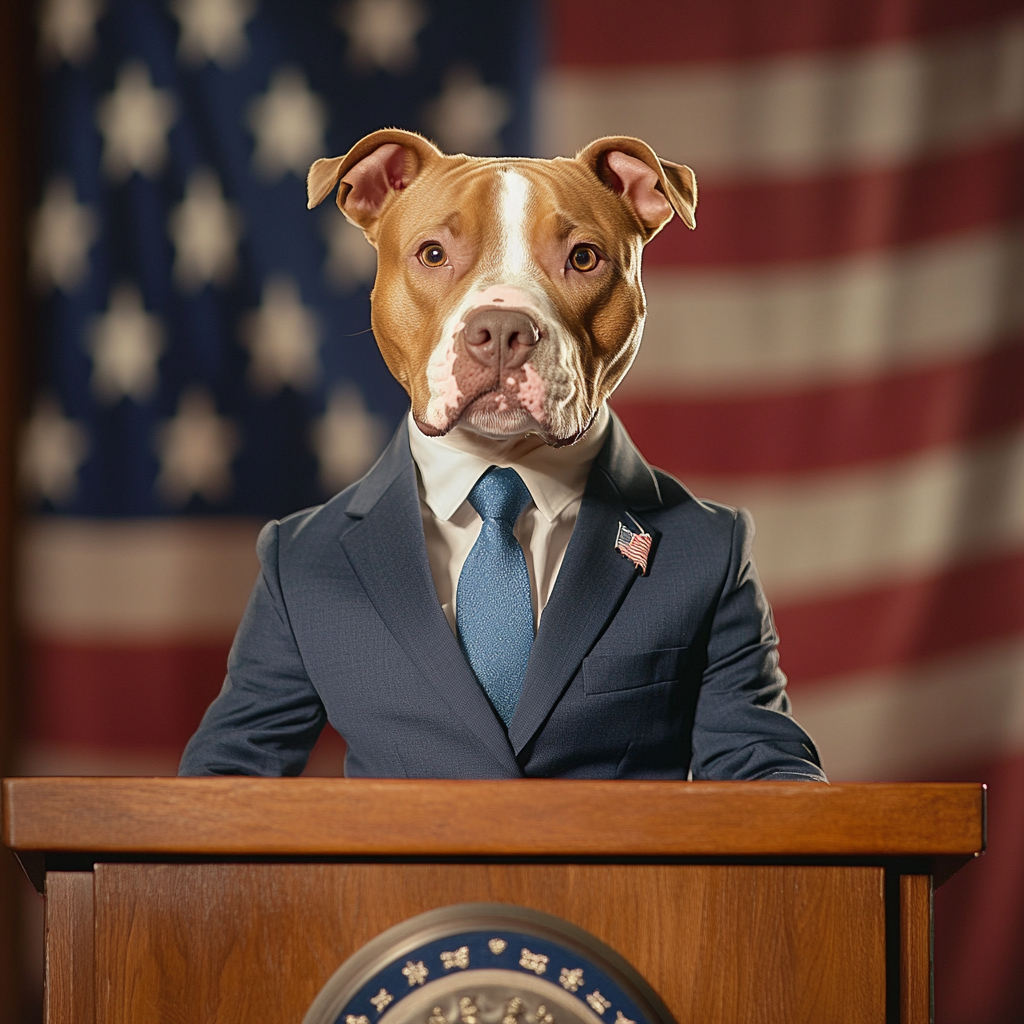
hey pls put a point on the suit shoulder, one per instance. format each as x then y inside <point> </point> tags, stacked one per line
<point>677,498</point>
<point>310,526</point>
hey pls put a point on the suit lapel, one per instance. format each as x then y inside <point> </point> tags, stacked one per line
<point>385,547</point>
<point>592,582</point>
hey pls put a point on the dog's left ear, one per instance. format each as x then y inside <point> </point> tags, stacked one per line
<point>371,172</point>
<point>652,187</point>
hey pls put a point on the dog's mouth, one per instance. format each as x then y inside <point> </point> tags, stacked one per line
<point>509,402</point>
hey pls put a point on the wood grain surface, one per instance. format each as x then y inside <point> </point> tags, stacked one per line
<point>915,949</point>
<point>742,944</point>
<point>315,817</point>
<point>68,997</point>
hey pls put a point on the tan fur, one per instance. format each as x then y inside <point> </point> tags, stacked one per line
<point>453,200</point>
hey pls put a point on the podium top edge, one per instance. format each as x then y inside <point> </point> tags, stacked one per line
<point>528,818</point>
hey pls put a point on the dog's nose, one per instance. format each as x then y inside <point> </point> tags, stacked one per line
<point>500,337</point>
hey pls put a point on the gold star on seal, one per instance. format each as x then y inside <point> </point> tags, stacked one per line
<point>571,980</point>
<point>459,958</point>
<point>536,962</point>
<point>415,972</point>
<point>382,1000</point>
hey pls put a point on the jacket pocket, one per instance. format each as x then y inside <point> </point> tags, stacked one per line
<point>629,671</point>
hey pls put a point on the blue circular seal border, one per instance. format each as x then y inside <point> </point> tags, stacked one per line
<point>467,937</point>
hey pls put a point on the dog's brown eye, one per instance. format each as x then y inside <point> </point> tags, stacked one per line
<point>432,255</point>
<point>583,258</point>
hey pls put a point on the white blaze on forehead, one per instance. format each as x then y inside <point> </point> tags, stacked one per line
<point>515,192</point>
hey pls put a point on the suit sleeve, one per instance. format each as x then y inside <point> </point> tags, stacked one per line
<point>742,726</point>
<point>268,714</point>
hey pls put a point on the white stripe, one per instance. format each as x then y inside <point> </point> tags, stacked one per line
<point>720,330</point>
<point>799,115</point>
<point>905,723</point>
<point>837,531</point>
<point>515,190</point>
<point>136,579</point>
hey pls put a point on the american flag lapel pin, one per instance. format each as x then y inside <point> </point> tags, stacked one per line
<point>635,545</point>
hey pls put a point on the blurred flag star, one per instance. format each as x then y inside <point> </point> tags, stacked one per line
<point>53,449</point>
<point>67,29</point>
<point>125,343</point>
<point>134,120</point>
<point>348,438</point>
<point>283,337</point>
<point>205,230</point>
<point>288,122</point>
<point>62,232</point>
<point>196,447</point>
<point>213,30</point>
<point>382,33</point>
<point>351,260</point>
<point>468,115</point>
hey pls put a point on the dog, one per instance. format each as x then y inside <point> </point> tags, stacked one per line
<point>508,295</point>
<point>508,303</point>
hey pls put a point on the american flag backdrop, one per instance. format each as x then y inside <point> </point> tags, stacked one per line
<point>839,347</point>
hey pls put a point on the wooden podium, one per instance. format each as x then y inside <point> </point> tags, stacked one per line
<point>235,899</point>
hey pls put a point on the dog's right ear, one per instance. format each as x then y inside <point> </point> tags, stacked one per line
<point>373,170</point>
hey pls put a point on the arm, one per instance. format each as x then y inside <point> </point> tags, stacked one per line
<point>268,714</point>
<point>742,727</point>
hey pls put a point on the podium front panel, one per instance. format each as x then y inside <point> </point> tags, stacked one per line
<point>719,943</point>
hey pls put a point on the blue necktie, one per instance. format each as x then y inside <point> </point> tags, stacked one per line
<point>494,613</point>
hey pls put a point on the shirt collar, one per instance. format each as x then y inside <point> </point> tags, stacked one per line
<point>449,466</point>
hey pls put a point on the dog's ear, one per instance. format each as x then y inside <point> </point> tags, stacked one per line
<point>376,166</point>
<point>652,187</point>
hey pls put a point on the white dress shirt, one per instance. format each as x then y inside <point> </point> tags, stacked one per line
<point>450,466</point>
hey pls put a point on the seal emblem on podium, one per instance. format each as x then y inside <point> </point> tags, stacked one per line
<point>486,963</point>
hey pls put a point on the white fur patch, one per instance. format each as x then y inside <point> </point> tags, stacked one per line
<point>444,388</point>
<point>515,194</point>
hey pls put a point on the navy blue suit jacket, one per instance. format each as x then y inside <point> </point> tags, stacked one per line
<point>630,676</point>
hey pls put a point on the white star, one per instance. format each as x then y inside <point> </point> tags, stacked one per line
<point>196,448</point>
<point>53,449</point>
<point>62,232</point>
<point>283,336</point>
<point>125,344</point>
<point>468,115</point>
<point>213,30</point>
<point>67,29</point>
<point>205,231</point>
<point>351,260</point>
<point>288,121</point>
<point>382,33</point>
<point>134,120</point>
<point>347,439</point>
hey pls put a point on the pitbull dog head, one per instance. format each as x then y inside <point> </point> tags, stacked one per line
<point>508,295</point>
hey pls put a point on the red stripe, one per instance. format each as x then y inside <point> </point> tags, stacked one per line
<point>121,696</point>
<point>979,912</point>
<point>588,33</point>
<point>902,623</point>
<point>753,223</point>
<point>831,427</point>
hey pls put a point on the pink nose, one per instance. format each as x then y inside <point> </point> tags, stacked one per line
<point>500,338</point>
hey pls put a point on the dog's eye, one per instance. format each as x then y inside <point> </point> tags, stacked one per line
<point>583,258</point>
<point>433,255</point>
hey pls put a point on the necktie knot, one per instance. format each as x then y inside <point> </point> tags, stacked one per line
<point>500,494</point>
